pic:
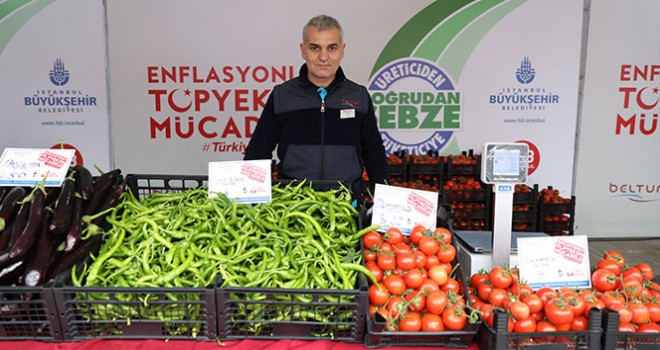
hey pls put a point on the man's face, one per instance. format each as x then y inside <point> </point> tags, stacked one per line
<point>322,52</point>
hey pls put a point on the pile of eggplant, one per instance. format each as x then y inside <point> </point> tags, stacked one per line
<point>44,230</point>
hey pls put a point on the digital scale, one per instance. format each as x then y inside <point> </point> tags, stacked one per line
<point>503,165</point>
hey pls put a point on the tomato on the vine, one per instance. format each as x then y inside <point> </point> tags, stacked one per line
<point>603,280</point>
<point>525,325</point>
<point>393,236</point>
<point>416,233</point>
<point>446,253</point>
<point>371,239</point>
<point>405,261</point>
<point>432,323</point>
<point>454,318</point>
<point>500,278</point>
<point>428,245</point>
<point>378,295</point>
<point>414,278</point>
<point>395,284</point>
<point>438,274</point>
<point>443,235</point>
<point>436,302</point>
<point>478,278</point>
<point>615,256</point>
<point>417,301</point>
<point>558,312</point>
<point>412,322</point>
<point>386,262</point>
<point>609,265</point>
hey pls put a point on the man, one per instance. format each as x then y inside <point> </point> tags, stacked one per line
<point>323,125</point>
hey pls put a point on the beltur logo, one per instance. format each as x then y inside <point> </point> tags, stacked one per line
<point>59,76</point>
<point>412,94</point>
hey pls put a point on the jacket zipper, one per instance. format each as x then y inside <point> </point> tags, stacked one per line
<point>322,137</point>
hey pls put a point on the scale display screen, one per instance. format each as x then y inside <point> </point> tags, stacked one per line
<point>504,163</point>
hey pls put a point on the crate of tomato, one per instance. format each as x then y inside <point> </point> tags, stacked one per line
<point>419,297</point>
<point>556,214</point>
<point>470,203</point>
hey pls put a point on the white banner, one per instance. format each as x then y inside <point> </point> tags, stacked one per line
<point>189,80</point>
<point>618,168</point>
<point>52,78</point>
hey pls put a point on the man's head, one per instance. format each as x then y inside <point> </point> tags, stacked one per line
<point>322,49</point>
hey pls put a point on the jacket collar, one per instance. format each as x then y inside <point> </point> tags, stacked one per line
<point>339,77</point>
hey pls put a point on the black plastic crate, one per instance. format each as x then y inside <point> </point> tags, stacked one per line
<point>498,338</point>
<point>470,169</point>
<point>378,337</point>
<point>302,314</point>
<point>28,313</point>
<point>143,185</point>
<point>136,313</point>
<point>482,195</point>
<point>615,340</point>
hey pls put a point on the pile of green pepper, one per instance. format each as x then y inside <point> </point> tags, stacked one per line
<point>301,239</point>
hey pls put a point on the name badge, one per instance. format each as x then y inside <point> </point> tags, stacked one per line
<point>347,114</point>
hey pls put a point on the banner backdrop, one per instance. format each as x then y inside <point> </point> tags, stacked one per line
<point>52,78</point>
<point>618,166</point>
<point>188,80</point>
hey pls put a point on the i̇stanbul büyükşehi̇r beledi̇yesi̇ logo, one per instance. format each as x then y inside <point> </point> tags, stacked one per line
<point>59,75</point>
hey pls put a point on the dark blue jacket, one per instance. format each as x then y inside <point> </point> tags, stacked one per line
<point>333,139</point>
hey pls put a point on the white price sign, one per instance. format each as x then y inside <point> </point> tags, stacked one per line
<point>404,208</point>
<point>554,262</point>
<point>30,166</point>
<point>243,181</point>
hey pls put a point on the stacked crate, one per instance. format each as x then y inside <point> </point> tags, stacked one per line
<point>426,172</point>
<point>525,208</point>
<point>469,200</point>
<point>556,213</point>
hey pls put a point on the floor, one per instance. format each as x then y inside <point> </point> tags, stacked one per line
<point>635,251</point>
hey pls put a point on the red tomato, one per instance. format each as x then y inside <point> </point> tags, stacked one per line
<point>436,302</point>
<point>446,253</point>
<point>609,265</point>
<point>443,235</point>
<point>627,327</point>
<point>378,295</point>
<point>640,313</point>
<point>428,245</point>
<point>625,315</point>
<point>577,304</point>
<point>654,311</point>
<point>432,323</point>
<point>417,301</point>
<point>579,323</point>
<point>451,285</point>
<point>634,273</point>
<point>603,280</point>
<point>395,306</point>
<point>431,260</point>
<point>414,278</point>
<point>615,256</point>
<point>454,318</point>
<point>478,278</point>
<point>395,284</point>
<point>545,326</point>
<point>405,261</point>
<point>429,286</point>
<point>386,262</point>
<point>438,274</point>
<point>525,325</point>
<point>411,322</point>
<point>520,311</point>
<point>416,233</point>
<point>393,236</point>
<point>376,271</point>
<point>558,312</point>
<point>484,291</point>
<point>649,328</point>
<point>371,239</point>
<point>497,296</point>
<point>546,294</point>
<point>646,270</point>
<point>370,255</point>
<point>534,302</point>
<point>420,258</point>
<point>500,278</point>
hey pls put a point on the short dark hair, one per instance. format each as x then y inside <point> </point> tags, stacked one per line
<point>323,22</point>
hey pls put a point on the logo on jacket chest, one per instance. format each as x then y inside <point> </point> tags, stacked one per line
<point>348,103</point>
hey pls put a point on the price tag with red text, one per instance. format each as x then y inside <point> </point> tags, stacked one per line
<point>555,262</point>
<point>243,181</point>
<point>30,166</point>
<point>404,208</point>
